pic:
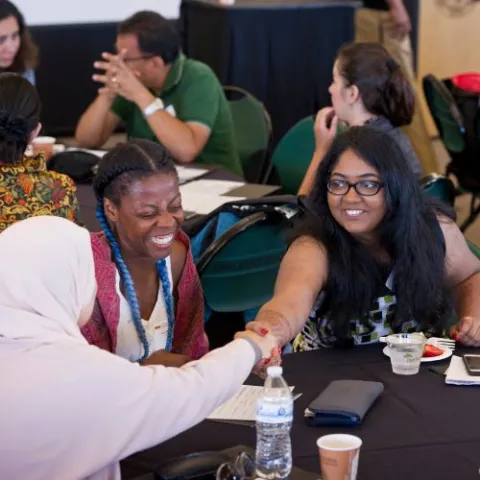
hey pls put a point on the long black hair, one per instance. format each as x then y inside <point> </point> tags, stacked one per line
<point>382,84</point>
<point>409,233</point>
<point>19,116</point>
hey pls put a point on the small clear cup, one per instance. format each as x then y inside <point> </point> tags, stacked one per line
<point>406,350</point>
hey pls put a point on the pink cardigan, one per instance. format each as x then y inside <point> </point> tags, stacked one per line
<point>189,337</point>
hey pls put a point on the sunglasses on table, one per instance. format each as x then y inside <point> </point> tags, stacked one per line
<point>243,468</point>
<point>365,188</point>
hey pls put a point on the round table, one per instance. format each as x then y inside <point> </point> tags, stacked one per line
<point>419,428</point>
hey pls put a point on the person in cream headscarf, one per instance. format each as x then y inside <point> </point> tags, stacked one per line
<point>69,410</point>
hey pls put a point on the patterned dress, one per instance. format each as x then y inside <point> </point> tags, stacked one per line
<point>28,189</point>
<point>318,331</point>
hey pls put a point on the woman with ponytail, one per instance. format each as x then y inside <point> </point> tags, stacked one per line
<point>149,305</point>
<point>368,88</point>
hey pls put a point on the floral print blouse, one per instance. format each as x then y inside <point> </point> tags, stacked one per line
<point>28,189</point>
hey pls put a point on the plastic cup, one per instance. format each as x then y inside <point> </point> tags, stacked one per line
<point>406,350</point>
<point>339,454</point>
<point>45,145</point>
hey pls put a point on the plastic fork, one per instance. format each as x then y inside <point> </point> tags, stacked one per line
<point>442,343</point>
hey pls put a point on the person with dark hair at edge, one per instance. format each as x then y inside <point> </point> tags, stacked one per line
<point>387,22</point>
<point>159,94</point>
<point>368,88</point>
<point>18,52</point>
<point>27,188</point>
<point>372,255</point>
<point>149,304</point>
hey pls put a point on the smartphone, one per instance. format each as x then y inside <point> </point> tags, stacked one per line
<point>472,363</point>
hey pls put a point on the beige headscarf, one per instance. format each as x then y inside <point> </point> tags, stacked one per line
<point>45,282</point>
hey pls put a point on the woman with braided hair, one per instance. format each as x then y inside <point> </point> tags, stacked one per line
<point>368,88</point>
<point>27,188</point>
<point>149,305</point>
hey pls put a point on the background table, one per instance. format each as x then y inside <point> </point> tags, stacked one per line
<point>419,428</point>
<point>282,51</point>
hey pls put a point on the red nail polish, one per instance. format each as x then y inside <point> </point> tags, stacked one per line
<point>267,361</point>
<point>263,331</point>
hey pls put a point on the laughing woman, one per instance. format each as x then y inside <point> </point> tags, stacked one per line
<point>373,255</point>
<point>149,305</point>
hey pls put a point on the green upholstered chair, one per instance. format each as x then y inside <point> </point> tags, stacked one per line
<point>238,271</point>
<point>253,132</point>
<point>440,187</point>
<point>293,155</point>
<point>450,125</point>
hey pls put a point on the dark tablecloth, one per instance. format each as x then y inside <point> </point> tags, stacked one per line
<point>282,51</point>
<point>420,428</point>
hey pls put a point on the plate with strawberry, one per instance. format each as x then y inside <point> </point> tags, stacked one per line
<point>431,353</point>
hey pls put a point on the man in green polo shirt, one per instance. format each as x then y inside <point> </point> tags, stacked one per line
<point>161,95</point>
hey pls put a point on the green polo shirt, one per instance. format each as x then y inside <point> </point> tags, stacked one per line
<point>192,93</point>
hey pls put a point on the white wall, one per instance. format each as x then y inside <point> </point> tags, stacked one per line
<point>50,12</point>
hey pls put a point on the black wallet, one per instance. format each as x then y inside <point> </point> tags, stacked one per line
<point>343,402</point>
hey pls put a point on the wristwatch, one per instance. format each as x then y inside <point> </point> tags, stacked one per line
<point>155,106</point>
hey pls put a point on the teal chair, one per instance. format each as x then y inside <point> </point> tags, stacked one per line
<point>474,249</point>
<point>440,187</point>
<point>238,271</point>
<point>253,132</point>
<point>450,125</point>
<point>293,154</point>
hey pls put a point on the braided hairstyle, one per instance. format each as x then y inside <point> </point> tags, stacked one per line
<point>117,170</point>
<point>19,116</point>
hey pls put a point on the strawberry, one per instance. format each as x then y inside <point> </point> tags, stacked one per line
<point>431,351</point>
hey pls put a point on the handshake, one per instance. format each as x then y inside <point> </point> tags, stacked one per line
<point>268,344</point>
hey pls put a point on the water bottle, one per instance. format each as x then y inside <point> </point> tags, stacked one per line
<point>274,421</point>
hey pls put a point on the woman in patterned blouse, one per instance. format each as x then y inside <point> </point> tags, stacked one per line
<point>27,189</point>
<point>373,255</point>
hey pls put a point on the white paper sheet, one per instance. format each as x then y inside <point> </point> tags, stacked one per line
<point>186,174</point>
<point>212,187</point>
<point>97,153</point>
<point>241,407</point>
<point>457,373</point>
<point>203,203</point>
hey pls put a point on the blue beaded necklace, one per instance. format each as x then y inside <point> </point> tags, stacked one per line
<point>130,288</point>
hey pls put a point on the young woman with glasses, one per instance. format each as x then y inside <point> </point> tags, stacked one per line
<point>372,255</point>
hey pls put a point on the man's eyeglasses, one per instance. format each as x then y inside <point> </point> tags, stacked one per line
<point>140,57</point>
<point>243,468</point>
<point>365,188</point>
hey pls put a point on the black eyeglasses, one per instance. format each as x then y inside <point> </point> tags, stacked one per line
<point>243,468</point>
<point>141,57</point>
<point>365,188</point>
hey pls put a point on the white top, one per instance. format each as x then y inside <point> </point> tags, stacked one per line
<point>129,345</point>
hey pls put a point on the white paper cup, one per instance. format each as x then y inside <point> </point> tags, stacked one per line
<point>45,145</point>
<point>339,454</point>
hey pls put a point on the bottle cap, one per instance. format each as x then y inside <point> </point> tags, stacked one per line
<point>274,371</point>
